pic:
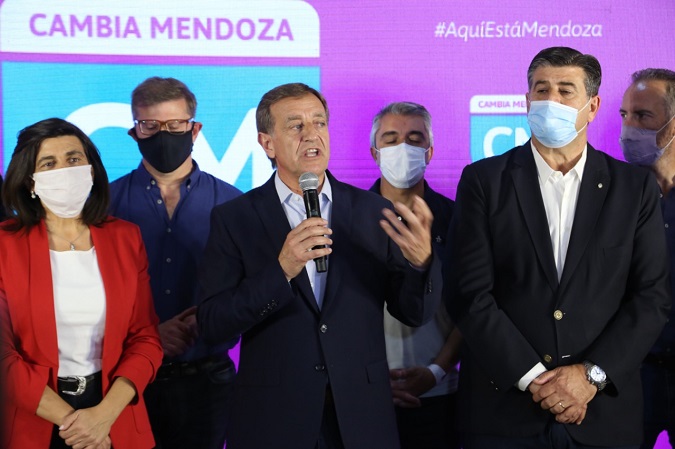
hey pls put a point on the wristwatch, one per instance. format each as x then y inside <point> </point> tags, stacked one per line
<point>595,375</point>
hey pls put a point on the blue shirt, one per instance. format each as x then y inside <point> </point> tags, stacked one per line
<point>175,244</point>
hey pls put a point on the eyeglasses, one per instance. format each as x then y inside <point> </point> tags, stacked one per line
<point>152,127</point>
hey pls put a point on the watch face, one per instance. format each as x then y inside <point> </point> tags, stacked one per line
<point>597,374</point>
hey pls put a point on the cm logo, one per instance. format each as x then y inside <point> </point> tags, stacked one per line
<point>492,135</point>
<point>498,123</point>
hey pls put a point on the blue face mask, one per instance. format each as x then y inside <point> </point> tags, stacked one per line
<point>639,145</point>
<point>552,123</point>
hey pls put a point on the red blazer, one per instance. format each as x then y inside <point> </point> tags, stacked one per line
<point>28,343</point>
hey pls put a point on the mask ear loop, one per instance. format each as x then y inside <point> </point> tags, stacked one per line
<point>584,107</point>
<point>667,123</point>
<point>671,139</point>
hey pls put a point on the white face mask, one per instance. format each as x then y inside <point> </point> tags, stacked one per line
<point>402,165</point>
<point>65,190</point>
<point>554,124</point>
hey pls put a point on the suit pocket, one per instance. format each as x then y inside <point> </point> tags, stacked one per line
<point>378,372</point>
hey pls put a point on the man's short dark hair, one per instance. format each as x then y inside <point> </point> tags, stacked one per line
<point>157,90</point>
<point>665,75</point>
<point>263,116</point>
<point>563,57</point>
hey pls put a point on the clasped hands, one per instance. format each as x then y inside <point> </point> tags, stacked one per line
<point>565,392</point>
<point>306,241</point>
<point>87,428</point>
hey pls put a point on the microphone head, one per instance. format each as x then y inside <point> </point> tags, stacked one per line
<point>308,181</point>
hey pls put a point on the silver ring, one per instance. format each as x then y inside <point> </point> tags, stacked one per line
<point>561,405</point>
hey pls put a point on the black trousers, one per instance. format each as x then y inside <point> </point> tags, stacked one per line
<point>191,411</point>
<point>554,437</point>
<point>431,426</point>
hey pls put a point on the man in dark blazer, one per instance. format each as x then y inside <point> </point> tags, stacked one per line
<point>559,277</point>
<point>313,370</point>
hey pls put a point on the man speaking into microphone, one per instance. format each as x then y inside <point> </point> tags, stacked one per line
<point>313,371</point>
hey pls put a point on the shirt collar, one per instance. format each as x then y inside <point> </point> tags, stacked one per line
<point>545,171</point>
<point>285,193</point>
<point>145,177</point>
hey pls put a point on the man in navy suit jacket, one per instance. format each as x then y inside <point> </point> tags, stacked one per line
<point>559,277</point>
<point>313,371</point>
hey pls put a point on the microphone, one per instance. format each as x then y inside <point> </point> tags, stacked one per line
<point>309,183</point>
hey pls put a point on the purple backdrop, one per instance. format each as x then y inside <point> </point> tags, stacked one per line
<point>62,58</point>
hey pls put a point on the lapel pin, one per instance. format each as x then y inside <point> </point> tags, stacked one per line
<point>599,185</point>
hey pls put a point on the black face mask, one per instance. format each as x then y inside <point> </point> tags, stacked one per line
<point>165,151</point>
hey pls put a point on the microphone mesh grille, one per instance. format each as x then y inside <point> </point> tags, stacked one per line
<point>309,181</point>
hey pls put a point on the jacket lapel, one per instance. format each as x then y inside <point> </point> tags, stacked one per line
<point>42,293</point>
<point>265,201</point>
<point>524,174</point>
<point>110,264</point>
<point>341,220</point>
<point>592,193</point>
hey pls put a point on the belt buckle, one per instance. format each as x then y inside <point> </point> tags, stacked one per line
<point>81,386</point>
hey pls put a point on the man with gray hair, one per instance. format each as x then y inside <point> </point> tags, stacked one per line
<point>647,134</point>
<point>422,360</point>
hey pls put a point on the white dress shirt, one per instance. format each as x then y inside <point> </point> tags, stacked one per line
<point>294,207</point>
<point>560,193</point>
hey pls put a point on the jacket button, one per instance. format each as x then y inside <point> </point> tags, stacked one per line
<point>558,315</point>
<point>548,358</point>
<point>320,367</point>
<point>323,328</point>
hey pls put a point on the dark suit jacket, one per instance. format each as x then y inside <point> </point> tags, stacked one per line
<point>29,353</point>
<point>291,350</point>
<point>503,292</point>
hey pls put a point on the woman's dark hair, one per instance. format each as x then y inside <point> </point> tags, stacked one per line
<point>16,190</point>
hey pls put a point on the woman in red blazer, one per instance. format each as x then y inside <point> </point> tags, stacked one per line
<point>78,331</point>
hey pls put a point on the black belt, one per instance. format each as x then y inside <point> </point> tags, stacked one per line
<point>666,361</point>
<point>174,370</point>
<point>77,385</point>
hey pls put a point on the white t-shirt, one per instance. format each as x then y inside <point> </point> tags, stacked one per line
<point>80,309</point>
